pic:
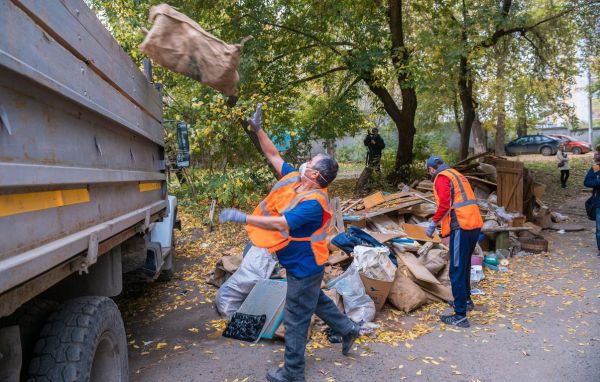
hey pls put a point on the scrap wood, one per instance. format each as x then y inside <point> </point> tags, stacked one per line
<point>416,232</point>
<point>484,181</point>
<point>374,199</point>
<point>385,237</point>
<point>506,229</point>
<point>566,227</point>
<point>385,224</point>
<point>468,159</point>
<point>351,205</point>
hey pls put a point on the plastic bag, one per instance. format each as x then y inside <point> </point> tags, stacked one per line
<point>374,262</point>
<point>258,264</point>
<point>357,304</point>
<point>477,273</point>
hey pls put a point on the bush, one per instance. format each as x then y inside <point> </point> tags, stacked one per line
<point>242,187</point>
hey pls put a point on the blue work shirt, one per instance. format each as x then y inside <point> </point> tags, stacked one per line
<point>297,257</point>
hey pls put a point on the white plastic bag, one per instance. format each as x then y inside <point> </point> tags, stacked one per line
<point>257,264</point>
<point>374,262</point>
<point>357,304</point>
<point>477,273</point>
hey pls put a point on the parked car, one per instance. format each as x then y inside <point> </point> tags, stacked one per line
<point>572,144</point>
<point>533,144</point>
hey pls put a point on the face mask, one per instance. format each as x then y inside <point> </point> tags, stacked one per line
<point>302,169</point>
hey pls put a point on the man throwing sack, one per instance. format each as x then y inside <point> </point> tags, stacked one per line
<point>293,222</point>
<point>458,214</point>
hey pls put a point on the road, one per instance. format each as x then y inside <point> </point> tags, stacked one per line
<point>537,322</point>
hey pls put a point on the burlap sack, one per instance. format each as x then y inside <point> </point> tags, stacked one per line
<point>434,260</point>
<point>405,294</point>
<point>444,276</point>
<point>178,43</point>
<point>225,267</point>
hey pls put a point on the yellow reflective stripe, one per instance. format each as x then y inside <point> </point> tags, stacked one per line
<point>145,187</point>
<point>35,201</point>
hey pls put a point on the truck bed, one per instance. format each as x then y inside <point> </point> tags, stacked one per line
<point>81,140</point>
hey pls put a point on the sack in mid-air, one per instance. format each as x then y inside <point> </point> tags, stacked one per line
<point>178,43</point>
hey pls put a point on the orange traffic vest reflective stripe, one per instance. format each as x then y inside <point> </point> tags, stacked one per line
<point>282,198</point>
<point>464,203</point>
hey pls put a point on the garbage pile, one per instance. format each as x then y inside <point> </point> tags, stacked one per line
<point>379,252</point>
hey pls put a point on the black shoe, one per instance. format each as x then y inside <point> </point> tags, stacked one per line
<point>348,339</point>
<point>456,320</point>
<point>470,305</point>
<point>280,375</point>
<point>332,336</point>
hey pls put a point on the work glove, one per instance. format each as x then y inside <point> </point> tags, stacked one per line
<point>431,229</point>
<point>256,121</point>
<point>232,215</point>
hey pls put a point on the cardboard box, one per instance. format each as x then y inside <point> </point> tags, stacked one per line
<point>377,290</point>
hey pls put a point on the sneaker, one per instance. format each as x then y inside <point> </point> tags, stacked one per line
<point>470,304</point>
<point>456,320</point>
<point>348,339</point>
<point>280,375</point>
<point>332,336</point>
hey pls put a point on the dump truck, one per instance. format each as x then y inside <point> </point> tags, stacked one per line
<point>83,191</point>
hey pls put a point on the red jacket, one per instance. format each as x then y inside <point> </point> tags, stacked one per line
<point>443,188</point>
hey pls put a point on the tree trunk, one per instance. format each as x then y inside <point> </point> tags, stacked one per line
<point>465,88</point>
<point>521,125</point>
<point>500,100</point>
<point>478,136</point>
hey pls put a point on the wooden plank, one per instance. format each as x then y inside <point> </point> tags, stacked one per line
<point>75,26</point>
<point>510,186</point>
<point>416,232</point>
<point>374,199</point>
<point>31,52</point>
<point>391,209</point>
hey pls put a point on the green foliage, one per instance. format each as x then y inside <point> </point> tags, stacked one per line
<point>241,188</point>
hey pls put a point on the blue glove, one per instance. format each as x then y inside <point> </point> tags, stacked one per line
<point>232,215</point>
<point>431,229</point>
<point>256,121</point>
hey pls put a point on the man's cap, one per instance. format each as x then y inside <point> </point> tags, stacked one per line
<point>375,130</point>
<point>434,161</point>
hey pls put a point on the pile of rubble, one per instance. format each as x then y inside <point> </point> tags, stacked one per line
<point>380,252</point>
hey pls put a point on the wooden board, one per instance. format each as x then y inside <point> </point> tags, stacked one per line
<point>374,199</point>
<point>510,185</point>
<point>384,237</point>
<point>79,31</point>
<point>417,232</point>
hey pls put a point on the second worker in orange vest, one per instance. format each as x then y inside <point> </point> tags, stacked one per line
<point>292,222</point>
<point>458,214</point>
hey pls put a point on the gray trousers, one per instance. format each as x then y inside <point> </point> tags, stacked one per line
<point>304,297</point>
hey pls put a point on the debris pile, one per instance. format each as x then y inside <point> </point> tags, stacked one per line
<point>380,252</point>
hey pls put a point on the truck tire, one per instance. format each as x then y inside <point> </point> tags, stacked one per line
<point>30,318</point>
<point>83,340</point>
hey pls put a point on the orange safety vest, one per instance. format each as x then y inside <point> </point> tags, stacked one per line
<point>282,198</point>
<point>464,204</point>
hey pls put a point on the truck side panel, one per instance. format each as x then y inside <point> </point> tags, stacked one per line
<point>82,32</point>
<point>81,143</point>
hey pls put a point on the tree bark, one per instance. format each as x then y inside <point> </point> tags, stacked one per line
<point>500,101</point>
<point>479,140</point>
<point>465,89</point>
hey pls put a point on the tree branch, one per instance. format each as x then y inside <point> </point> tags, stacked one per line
<point>317,76</point>
<point>491,41</point>
<point>305,47</point>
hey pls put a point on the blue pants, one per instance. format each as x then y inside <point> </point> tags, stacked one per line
<point>598,227</point>
<point>305,297</point>
<point>462,245</point>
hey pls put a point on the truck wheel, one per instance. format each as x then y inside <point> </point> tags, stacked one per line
<point>84,340</point>
<point>576,151</point>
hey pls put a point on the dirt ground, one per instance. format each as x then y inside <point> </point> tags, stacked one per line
<point>537,322</point>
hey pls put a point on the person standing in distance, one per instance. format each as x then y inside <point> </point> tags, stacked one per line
<point>375,146</point>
